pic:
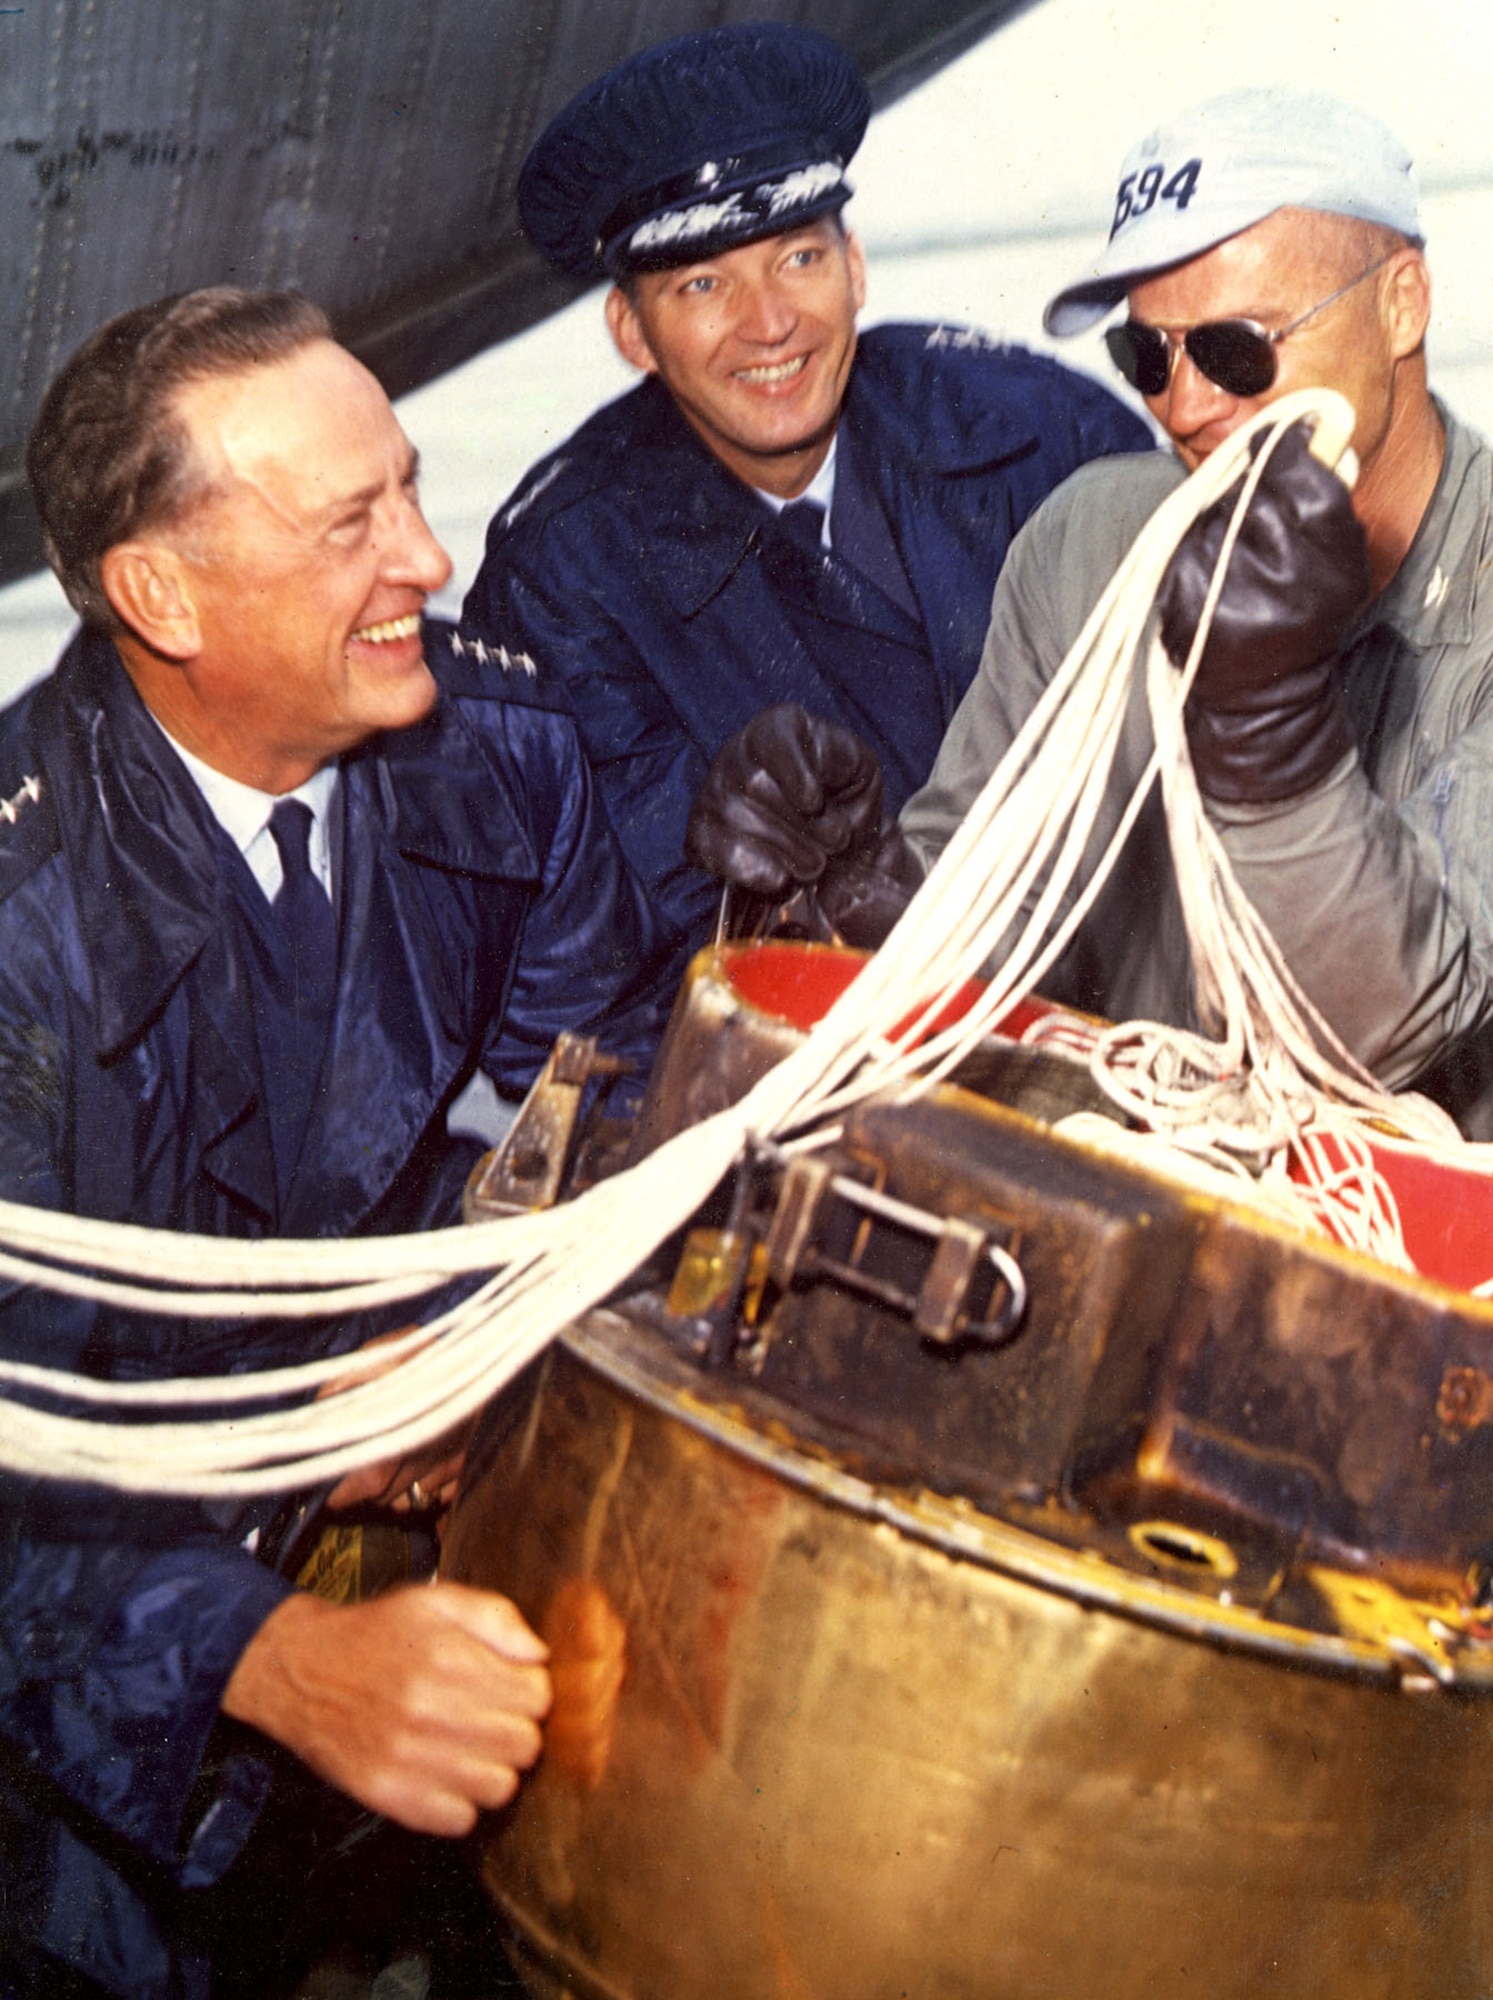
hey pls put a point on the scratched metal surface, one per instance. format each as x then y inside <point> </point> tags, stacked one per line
<point>364,153</point>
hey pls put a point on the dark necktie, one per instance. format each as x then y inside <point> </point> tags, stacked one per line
<point>803,522</point>
<point>304,911</point>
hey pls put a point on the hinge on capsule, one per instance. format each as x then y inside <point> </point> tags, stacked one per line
<point>951,1280</point>
<point>970,1288</point>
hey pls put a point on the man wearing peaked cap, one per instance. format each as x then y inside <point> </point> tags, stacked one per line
<point>653,560</point>
<point>1341,725</point>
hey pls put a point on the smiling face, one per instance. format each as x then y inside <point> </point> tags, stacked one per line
<point>755,347</point>
<point>278,624</point>
<point>1271,273</point>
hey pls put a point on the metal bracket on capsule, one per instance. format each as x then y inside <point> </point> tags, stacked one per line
<point>939,1309</point>
<point>527,1170</point>
<point>723,1273</point>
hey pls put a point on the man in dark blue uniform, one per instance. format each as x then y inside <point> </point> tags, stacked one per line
<point>281,866</point>
<point>781,511</point>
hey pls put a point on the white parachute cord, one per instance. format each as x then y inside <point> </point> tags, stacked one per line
<point>1007,874</point>
<point>1063,757</point>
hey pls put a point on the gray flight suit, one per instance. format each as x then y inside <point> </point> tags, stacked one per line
<point>1376,882</point>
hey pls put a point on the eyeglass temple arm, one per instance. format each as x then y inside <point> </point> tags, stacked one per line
<point>1332,297</point>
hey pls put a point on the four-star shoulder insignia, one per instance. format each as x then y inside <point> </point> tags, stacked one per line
<point>29,794</point>
<point>28,833</point>
<point>962,339</point>
<point>494,656</point>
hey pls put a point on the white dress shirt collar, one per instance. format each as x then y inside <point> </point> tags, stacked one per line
<point>243,812</point>
<point>820,488</point>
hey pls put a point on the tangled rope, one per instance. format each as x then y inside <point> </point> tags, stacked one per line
<point>1273,1086</point>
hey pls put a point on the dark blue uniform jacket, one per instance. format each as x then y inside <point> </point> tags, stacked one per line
<point>484,905</point>
<point>634,564</point>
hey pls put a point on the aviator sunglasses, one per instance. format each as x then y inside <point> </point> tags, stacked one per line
<point>1236,355</point>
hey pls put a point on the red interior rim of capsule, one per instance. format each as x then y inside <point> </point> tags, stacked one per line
<point>1446,1210</point>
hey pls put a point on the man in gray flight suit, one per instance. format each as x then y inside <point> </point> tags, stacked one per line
<point>1341,725</point>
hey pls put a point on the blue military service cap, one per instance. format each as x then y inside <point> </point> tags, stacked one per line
<point>695,146</point>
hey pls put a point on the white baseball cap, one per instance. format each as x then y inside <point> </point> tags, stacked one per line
<point>1227,165</point>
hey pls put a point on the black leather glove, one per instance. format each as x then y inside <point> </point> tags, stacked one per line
<point>793,801</point>
<point>863,895</point>
<point>1265,719</point>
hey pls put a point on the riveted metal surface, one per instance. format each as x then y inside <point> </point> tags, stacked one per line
<point>1178,1356</point>
<point>1145,1652</point>
<point>366,154</point>
<point>860,1758</point>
